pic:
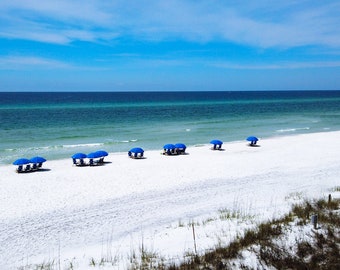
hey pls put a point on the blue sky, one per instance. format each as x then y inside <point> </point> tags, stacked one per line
<point>73,45</point>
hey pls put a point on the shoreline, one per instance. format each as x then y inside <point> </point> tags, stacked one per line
<point>101,146</point>
<point>76,207</point>
<point>120,164</point>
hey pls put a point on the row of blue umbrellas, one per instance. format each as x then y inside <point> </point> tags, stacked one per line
<point>171,146</point>
<point>137,150</point>
<point>34,160</point>
<point>217,143</point>
<point>92,155</point>
<point>178,148</point>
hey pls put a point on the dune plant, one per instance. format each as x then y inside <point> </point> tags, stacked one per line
<point>314,248</point>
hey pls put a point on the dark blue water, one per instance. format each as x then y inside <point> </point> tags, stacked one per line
<point>56,125</point>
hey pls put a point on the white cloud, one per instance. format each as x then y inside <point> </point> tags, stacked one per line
<point>67,11</point>
<point>275,65</point>
<point>59,22</point>
<point>23,62</point>
<point>258,23</point>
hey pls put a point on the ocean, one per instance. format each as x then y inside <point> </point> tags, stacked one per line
<point>59,124</point>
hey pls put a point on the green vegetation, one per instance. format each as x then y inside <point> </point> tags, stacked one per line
<point>290,242</point>
<point>319,251</point>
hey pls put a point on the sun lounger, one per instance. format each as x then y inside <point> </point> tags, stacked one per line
<point>81,162</point>
<point>19,169</point>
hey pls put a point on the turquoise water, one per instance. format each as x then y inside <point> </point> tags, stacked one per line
<point>57,125</point>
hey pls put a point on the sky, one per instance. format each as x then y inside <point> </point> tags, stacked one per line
<point>173,45</point>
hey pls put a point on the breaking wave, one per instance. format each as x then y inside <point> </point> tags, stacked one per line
<point>292,129</point>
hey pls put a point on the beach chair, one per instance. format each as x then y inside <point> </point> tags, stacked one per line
<point>217,147</point>
<point>28,168</point>
<point>19,169</point>
<point>180,151</point>
<point>34,167</point>
<point>97,162</point>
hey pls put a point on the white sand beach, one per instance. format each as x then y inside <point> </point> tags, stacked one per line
<point>76,213</point>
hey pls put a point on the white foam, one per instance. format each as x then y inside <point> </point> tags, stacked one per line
<point>292,129</point>
<point>82,145</point>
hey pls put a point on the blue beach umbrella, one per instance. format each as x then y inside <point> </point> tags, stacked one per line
<point>180,148</point>
<point>169,146</point>
<point>252,139</point>
<point>21,161</point>
<point>217,144</point>
<point>93,155</point>
<point>79,156</point>
<point>37,160</point>
<point>137,150</point>
<point>169,149</point>
<point>102,153</point>
<point>180,145</point>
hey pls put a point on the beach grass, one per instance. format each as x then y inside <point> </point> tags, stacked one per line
<point>312,248</point>
<point>319,251</point>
